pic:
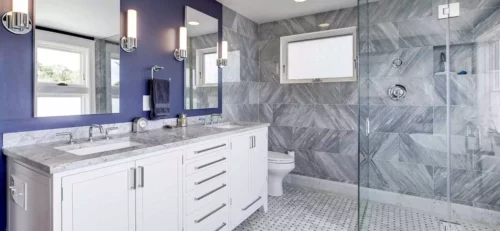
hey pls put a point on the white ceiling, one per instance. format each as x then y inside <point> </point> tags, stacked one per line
<point>262,11</point>
<point>208,24</point>
<point>94,18</point>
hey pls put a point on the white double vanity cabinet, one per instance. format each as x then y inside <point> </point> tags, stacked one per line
<point>207,183</point>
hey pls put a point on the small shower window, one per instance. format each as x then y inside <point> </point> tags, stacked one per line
<point>326,56</point>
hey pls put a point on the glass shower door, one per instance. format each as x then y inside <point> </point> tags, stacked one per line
<point>429,141</point>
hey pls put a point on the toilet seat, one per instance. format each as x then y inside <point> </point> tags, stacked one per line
<point>280,158</point>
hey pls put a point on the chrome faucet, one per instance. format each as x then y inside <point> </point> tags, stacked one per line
<point>67,134</point>
<point>218,116</point>
<point>91,133</point>
<point>107,132</point>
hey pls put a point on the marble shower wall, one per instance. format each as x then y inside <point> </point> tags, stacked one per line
<point>407,151</point>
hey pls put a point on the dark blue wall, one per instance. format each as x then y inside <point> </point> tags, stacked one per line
<point>158,23</point>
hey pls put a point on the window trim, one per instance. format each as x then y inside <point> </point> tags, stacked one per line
<point>284,41</point>
<point>86,47</point>
<point>200,66</point>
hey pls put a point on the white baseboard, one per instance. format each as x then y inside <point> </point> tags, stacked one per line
<point>433,207</point>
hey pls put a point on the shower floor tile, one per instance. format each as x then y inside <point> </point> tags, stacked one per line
<point>302,209</point>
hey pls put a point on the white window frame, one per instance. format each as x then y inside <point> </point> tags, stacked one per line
<point>284,41</point>
<point>86,47</point>
<point>200,66</point>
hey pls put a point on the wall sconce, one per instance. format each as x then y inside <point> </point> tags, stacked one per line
<point>222,59</point>
<point>17,21</point>
<point>129,43</point>
<point>181,53</point>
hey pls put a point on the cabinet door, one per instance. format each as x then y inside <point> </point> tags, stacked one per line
<point>159,195</point>
<point>99,200</point>
<point>258,165</point>
<point>240,147</point>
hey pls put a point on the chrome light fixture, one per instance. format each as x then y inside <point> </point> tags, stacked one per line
<point>222,55</point>
<point>17,21</point>
<point>129,43</point>
<point>181,53</point>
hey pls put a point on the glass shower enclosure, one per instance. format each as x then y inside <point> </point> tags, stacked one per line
<point>429,116</point>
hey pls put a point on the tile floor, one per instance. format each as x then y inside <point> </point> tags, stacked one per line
<point>308,209</point>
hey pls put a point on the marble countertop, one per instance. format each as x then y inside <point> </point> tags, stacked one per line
<point>51,158</point>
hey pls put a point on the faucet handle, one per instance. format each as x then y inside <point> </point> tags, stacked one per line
<point>110,129</point>
<point>66,134</point>
<point>218,116</point>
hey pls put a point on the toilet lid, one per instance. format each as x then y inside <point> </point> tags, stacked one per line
<point>280,158</point>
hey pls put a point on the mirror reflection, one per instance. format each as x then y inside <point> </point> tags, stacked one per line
<point>77,57</point>
<point>201,71</point>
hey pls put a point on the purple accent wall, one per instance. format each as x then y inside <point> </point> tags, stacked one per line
<point>158,23</point>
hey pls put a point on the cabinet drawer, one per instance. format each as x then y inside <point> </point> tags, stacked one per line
<point>207,162</point>
<point>216,190</point>
<point>208,216</point>
<point>205,148</point>
<point>218,225</point>
<point>207,176</point>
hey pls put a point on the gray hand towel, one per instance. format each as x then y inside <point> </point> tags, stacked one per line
<point>160,98</point>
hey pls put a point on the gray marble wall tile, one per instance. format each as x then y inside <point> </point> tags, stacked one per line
<point>432,150</point>
<point>280,136</point>
<point>348,142</point>
<point>269,50</point>
<point>488,29</point>
<point>402,177</point>
<point>306,164</point>
<point>490,142</point>
<point>302,94</point>
<point>384,146</point>
<point>272,93</point>
<point>270,72</point>
<point>388,11</point>
<point>462,90</point>
<point>488,184</point>
<point>246,27</point>
<point>416,62</point>
<point>338,18</point>
<point>419,91</point>
<point>316,139</point>
<point>253,92</point>
<point>233,39</point>
<point>229,18</point>
<point>461,118</point>
<point>380,37</point>
<point>486,163</point>
<point>337,117</point>
<point>235,93</point>
<point>337,167</point>
<point>266,113</point>
<point>404,119</point>
<point>241,112</point>
<point>249,70</point>
<point>249,48</point>
<point>463,185</point>
<point>294,115</point>
<point>299,25</point>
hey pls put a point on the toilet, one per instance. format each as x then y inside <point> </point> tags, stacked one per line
<point>279,165</point>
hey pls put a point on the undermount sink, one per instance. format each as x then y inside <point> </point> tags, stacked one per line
<point>224,126</point>
<point>83,150</point>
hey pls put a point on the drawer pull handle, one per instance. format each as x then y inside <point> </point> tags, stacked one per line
<point>210,214</point>
<point>212,177</point>
<point>141,169</point>
<point>133,175</point>
<point>208,149</point>
<point>220,227</point>
<point>255,201</point>
<point>208,164</point>
<point>209,193</point>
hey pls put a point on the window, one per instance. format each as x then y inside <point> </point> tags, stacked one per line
<point>327,56</point>
<point>206,63</point>
<point>63,74</point>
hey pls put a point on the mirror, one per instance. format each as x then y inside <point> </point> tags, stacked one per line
<point>201,72</point>
<point>77,57</point>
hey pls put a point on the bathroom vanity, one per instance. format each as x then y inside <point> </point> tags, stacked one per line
<point>195,178</point>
